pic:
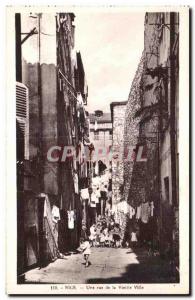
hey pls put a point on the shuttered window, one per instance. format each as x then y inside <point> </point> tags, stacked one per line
<point>22,114</point>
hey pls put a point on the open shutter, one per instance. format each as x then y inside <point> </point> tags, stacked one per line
<point>22,114</point>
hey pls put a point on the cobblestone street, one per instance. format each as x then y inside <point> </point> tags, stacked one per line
<point>108,265</point>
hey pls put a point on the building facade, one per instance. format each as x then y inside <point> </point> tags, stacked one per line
<point>156,116</point>
<point>160,104</point>
<point>51,94</point>
<point>118,110</point>
<point>101,135</point>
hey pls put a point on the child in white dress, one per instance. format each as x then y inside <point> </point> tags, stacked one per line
<point>86,249</point>
<point>133,239</point>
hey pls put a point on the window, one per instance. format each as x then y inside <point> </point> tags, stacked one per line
<point>22,115</point>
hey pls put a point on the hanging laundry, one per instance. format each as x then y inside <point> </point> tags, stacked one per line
<point>93,200</point>
<point>138,214</point>
<point>123,207</point>
<point>48,213</point>
<point>93,197</point>
<point>131,212</point>
<point>152,208</point>
<point>47,207</point>
<point>96,125</point>
<point>98,194</point>
<point>95,182</point>
<point>85,194</point>
<point>61,201</point>
<point>55,214</point>
<point>145,212</point>
<point>76,183</point>
<point>71,218</point>
<point>79,101</point>
<point>82,160</point>
<point>73,57</point>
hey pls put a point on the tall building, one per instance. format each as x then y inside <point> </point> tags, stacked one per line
<point>159,117</point>
<point>51,94</point>
<point>153,107</point>
<point>101,135</point>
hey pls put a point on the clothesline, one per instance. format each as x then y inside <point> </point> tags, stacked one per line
<point>143,211</point>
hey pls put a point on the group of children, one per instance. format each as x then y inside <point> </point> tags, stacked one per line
<point>102,237</point>
<point>104,234</point>
<point>110,235</point>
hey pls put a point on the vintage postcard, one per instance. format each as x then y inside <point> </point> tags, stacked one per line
<point>98,150</point>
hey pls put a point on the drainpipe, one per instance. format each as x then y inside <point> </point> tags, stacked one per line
<point>172,108</point>
<point>18,47</point>
<point>159,172</point>
<point>41,164</point>
<point>172,119</point>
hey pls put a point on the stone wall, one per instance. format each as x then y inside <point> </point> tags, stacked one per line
<point>141,126</point>
<point>118,118</point>
<point>133,179</point>
<point>141,123</point>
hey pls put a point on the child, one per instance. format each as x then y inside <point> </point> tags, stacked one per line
<point>92,234</point>
<point>110,239</point>
<point>116,236</point>
<point>133,239</point>
<point>98,232</point>
<point>102,239</point>
<point>86,248</point>
<point>106,235</point>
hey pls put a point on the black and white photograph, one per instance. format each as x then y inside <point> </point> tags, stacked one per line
<point>100,142</point>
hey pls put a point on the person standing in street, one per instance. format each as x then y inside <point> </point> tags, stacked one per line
<point>86,249</point>
<point>92,236</point>
<point>133,239</point>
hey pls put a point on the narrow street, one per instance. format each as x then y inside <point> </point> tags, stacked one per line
<point>108,265</point>
<point>98,165</point>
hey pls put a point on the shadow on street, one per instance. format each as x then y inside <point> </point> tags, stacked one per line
<point>149,269</point>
